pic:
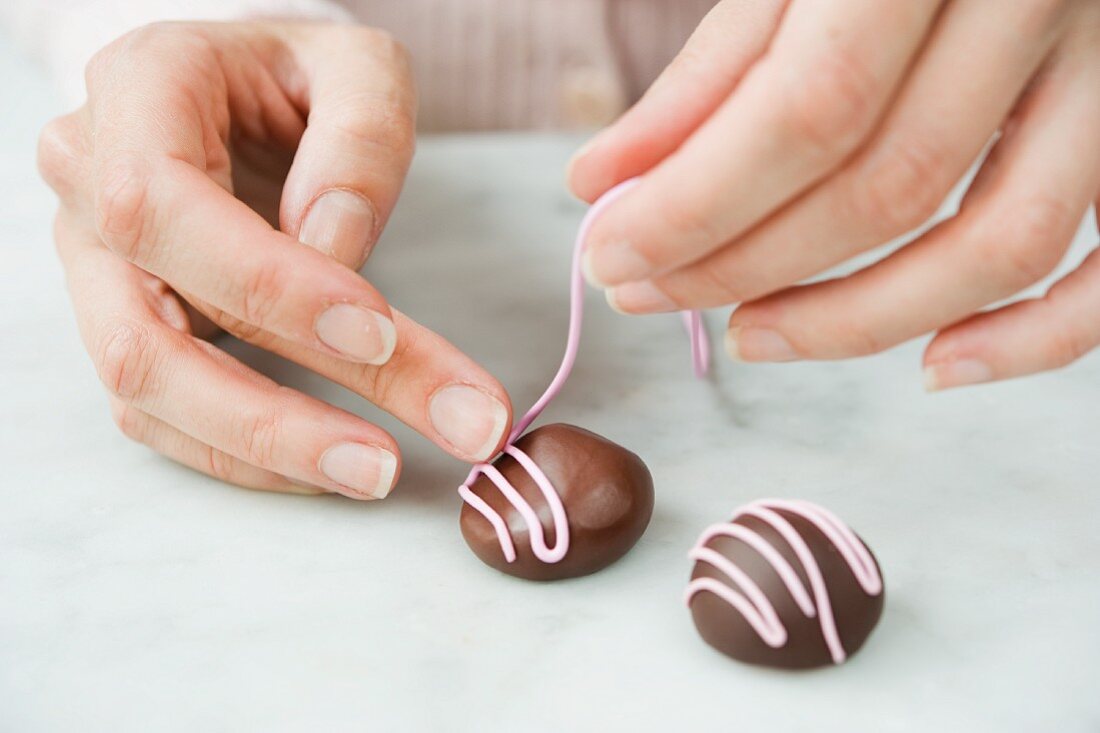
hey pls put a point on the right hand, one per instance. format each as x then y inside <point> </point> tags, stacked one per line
<point>192,136</point>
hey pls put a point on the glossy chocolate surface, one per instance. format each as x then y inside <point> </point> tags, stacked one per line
<point>854,611</point>
<point>606,490</point>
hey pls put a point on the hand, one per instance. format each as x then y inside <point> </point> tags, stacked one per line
<point>311,125</point>
<point>789,137</point>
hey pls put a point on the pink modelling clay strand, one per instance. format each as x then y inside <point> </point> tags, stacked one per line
<point>700,355</point>
<point>700,345</point>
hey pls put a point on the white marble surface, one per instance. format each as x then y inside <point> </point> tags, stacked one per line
<point>138,596</point>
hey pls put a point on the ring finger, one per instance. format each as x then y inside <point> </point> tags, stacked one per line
<point>182,448</point>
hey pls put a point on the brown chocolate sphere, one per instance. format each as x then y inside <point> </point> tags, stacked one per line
<point>784,584</point>
<point>605,490</point>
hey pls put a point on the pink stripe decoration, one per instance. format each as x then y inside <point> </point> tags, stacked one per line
<point>700,355</point>
<point>747,597</point>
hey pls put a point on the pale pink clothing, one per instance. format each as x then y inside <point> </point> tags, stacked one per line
<point>480,64</point>
<point>533,63</point>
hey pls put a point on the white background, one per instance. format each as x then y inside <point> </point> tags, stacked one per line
<point>136,595</point>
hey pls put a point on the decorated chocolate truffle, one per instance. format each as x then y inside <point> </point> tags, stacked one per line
<point>786,584</point>
<point>560,502</point>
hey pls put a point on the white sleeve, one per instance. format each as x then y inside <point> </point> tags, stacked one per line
<point>64,34</point>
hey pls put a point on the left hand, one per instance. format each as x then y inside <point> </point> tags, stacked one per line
<point>788,137</point>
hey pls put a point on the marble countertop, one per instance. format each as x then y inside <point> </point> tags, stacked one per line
<point>136,595</point>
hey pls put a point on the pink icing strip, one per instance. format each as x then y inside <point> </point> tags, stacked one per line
<point>557,510</point>
<point>495,519</point>
<point>770,628</point>
<point>786,572</point>
<point>857,557</point>
<point>700,354</point>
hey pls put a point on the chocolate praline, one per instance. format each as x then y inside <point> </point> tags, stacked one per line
<point>846,604</point>
<point>606,491</point>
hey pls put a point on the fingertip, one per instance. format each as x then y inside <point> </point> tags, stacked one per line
<point>470,422</point>
<point>928,378</point>
<point>640,297</point>
<point>961,355</point>
<point>343,224</point>
<point>589,272</point>
<point>579,177</point>
<point>360,471</point>
<point>611,295</point>
<point>756,344</point>
<point>358,334</point>
<point>956,373</point>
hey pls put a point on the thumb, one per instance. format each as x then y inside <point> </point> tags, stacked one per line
<point>358,143</point>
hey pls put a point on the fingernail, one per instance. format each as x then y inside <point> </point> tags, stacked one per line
<point>340,223</point>
<point>614,263</point>
<point>639,297</point>
<point>956,374</point>
<point>746,343</point>
<point>467,418</point>
<point>357,333</point>
<point>365,471</point>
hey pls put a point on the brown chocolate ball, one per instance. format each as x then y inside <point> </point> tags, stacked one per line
<point>605,490</point>
<point>811,585</point>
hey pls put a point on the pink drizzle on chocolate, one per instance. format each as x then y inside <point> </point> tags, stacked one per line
<point>700,360</point>
<point>751,602</point>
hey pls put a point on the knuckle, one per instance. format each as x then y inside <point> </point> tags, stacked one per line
<point>378,121</point>
<point>853,339</point>
<point>192,46</point>
<point>693,62</point>
<point>259,437</point>
<point>161,33</point>
<point>1036,18</point>
<point>1023,266</point>
<point>99,65</point>
<point>1026,251</point>
<point>719,286</point>
<point>129,421</point>
<point>864,343</point>
<point>380,383</point>
<point>58,152</point>
<point>125,359</point>
<point>186,42</point>
<point>260,292</point>
<point>1067,344</point>
<point>383,385</point>
<point>220,465</point>
<point>696,214</point>
<point>383,44</point>
<point>121,207</point>
<point>243,330</point>
<point>152,34</point>
<point>832,107</point>
<point>902,187</point>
